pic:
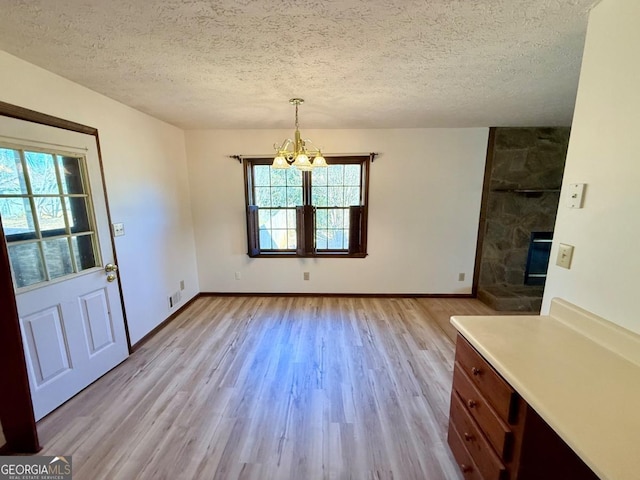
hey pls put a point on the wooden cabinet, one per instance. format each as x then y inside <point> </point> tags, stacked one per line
<point>495,435</point>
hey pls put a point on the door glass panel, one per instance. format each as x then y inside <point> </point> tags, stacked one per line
<point>58,257</point>
<point>17,220</point>
<point>78,215</point>
<point>42,173</point>
<point>83,251</point>
<point>11,175</point>
<point>27,265</point>
<point>71,174</point>
<point>50,216</point>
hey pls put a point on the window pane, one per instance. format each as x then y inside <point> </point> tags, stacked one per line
<point>294,196</point>
<point>265,239</point>
<point>264,218</point>
<point>280,239</point>
<point>50,216</point>
<point>321,218</point>
<point>294,177</point>
<point>17,220</point>
<point>77,213</point>
<point>336,218</point>
<point>263,196</point>
<point>26,263</point>
<point>319,176</point>
<point>291,218</point>
<point>42,173</point>
<point>352,175</point>
<point>319,196</point>
<point>278,196</point>
<point>278,177</point>
<point>336,196</point>
<point>279,219</point>
<point>84,252</point>
<point>321,239</point>
<point>351,196</point>
<point>71,174</point>
<point>292,243</point>
<point>261,175</point>
<point>336,239</point>
<point>58,257</point>
<point>11,174</point>
<point>336,174</point>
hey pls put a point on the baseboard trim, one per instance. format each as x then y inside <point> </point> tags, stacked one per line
<point>349,295</point>
<point>163,324</point>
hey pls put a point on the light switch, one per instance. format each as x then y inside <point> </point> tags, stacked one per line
<point>118,229</point>
<point>575,194</point>
<point>565,254</point>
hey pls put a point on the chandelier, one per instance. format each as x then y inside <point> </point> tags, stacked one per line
<point>295,152</point>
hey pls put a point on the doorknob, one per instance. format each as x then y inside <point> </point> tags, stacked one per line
<point>110,267</point>
<point>111,277</point>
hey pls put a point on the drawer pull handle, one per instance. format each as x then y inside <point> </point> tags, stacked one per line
<point>465,468</point>
<point>468,437</point>
<point>472,403</point>
<point>476,371</point>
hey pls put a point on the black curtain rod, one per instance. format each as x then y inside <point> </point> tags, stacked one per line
<point>372,156</point>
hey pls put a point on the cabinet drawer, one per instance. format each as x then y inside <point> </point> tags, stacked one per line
<point>501,396</point>
<point>463,458</point>
<point>476,444</point>
<point>494,428</point>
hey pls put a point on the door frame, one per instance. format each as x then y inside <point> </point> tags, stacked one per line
<point>16,410</point>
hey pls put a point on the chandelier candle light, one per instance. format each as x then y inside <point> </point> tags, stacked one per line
<point>299,156</point>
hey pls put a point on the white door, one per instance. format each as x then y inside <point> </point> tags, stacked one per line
<point>54,217</point>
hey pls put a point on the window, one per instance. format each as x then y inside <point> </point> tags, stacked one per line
<point>305,214</point>
<point>46,215</point>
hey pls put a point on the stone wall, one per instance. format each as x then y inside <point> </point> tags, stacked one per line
<point>524,190</point>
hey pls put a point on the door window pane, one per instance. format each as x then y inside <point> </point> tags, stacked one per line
<point>50,216</point>
<point>57,257</point>
<point>17,220</point>
<point>26,263</point>
<point>11,174</point>
<point>42,173</point>
<point>83,251</point>
<point>78,214</point>
<point>71,174</point>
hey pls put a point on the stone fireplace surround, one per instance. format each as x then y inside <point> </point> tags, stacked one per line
<point>525,166</point>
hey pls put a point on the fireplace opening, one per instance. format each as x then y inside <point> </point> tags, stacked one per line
<point>538,258</point>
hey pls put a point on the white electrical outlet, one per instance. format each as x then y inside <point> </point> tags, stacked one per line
<point>565,254</point>
<point>238,276</point>
<point>181,284</point>
<point>305,275</point>
<point>461,277</point>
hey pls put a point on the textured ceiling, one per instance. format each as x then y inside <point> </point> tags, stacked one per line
<point>357,63</point>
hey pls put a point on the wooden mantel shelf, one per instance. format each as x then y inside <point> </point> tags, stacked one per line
<point>578,371</point>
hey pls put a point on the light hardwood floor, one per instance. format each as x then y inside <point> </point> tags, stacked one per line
<point>273,388</point>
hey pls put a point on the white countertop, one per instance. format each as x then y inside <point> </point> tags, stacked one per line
<point>587,391</point>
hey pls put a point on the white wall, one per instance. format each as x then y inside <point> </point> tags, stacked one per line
<point>424,205</point>
<point>604,153</point>
<point>146,176</point>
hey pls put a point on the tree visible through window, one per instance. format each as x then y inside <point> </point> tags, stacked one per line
<point>294,213</point>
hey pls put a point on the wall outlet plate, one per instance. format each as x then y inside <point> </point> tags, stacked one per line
<point>565,255</point>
